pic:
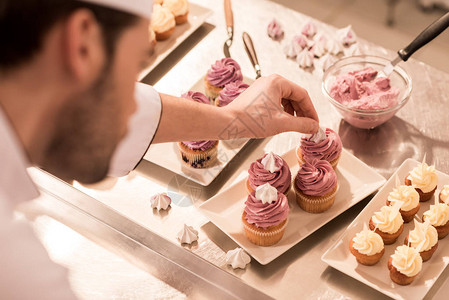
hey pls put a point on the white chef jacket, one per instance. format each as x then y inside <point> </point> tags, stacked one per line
<point>26,271</point>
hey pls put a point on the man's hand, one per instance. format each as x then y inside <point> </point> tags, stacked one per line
<point>272,105</point>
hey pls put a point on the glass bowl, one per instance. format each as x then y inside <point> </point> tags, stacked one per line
<point>367,119</point>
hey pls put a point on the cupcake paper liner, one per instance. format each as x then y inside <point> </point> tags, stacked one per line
<point>314,204</point>
<point>198,159</point>
<point>263,237</point>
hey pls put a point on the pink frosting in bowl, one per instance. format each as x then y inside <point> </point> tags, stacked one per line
<point>264,215</point>
<point>361,89</point>
<point>280,179</point>
<point>224,71</point>
<point>230,92</point>
<point>316,178</point>
<point>328,149</point>
<point>362,113</point>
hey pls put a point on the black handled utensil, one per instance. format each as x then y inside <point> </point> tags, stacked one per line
<point>229,27</point>
<point>251,51</point>
<point>422,39</point>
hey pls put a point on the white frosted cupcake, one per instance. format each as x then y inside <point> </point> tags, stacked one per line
<point>444,194</point>
<point>424,179</point>
<point>410,198</point>
<point>179,8</point>
<point>438,217</point>
<point>388,223</point>
<point>424,238</point>
<point>404,265</point>
<point>367,247</point>
<point>162,22</point>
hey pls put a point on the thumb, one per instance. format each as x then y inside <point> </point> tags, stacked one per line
<point>299,124</point>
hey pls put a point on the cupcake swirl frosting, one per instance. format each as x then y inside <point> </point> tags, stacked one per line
<point>328,149</point>
<point>388,219</point>
<point>316,178</point>
<point>437,215</point>
<point>274,30</point>
<point>196,96</point>
<point>264,215</point>
<point>259,175</point>
<point>224,71</point>
<point>368,242</point>
<point>444,194</point>
<point>177,7</point>
<point>406,194</point>
<point>424,177</point>
<point>423,232</point>
<point>162,19</point>
<point>407,260</point>
<point>230,92</point>
<point>200,145</point>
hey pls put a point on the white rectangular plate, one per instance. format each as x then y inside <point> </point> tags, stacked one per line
<point>356,181</point>
<point>197,16</point>
<point>167,155</point>
<point>378,276</point>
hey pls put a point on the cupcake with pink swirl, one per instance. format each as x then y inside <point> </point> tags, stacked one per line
<point>198,154</point>
<point>316,186</point>
<point>221,73</point>
<point>265,215</point>
<point>230,92</point>
<point>272,169</point>
<point>323,145</point>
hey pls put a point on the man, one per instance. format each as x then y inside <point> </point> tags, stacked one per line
<point>67,94</point>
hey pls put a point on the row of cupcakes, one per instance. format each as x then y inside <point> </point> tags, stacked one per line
<point>270,180</point>
<point>223,84</point>
<point>316,182</point>
<point>166,15</point>
<point>386,225</point>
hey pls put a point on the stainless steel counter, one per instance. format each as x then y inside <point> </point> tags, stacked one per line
<point>420,127</point>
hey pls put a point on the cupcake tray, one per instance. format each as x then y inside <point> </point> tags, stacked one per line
<point>167,155</point>
<point>356,180</point>
<point>197,16</point>
<point>378,276</point>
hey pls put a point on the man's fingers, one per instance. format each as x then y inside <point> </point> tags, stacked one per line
<point>299,97</point>
<point>299,124</point>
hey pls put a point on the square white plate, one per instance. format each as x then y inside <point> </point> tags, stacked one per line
<point>378,276</point>
<point>356,181</point>
<point>197,16</point>
<point>167,155</point>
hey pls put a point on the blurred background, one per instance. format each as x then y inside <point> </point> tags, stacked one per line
<point>392,24</point>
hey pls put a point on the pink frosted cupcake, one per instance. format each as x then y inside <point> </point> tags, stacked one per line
<point>323,145</point>
<point>265,216</point>
<point>230,92</point>
<point>316,186</point>
<point>272,169</point>
<point>198,154</point>
<point>221,73</point>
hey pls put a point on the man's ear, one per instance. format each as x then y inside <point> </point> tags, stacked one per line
<point>84,52</point>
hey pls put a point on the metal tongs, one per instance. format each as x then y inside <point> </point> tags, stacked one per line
<point>422,39</point>
<point>249,47</point>
<point>229,27</point>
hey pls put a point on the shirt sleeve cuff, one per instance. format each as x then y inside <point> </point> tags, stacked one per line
<point>141,131</point>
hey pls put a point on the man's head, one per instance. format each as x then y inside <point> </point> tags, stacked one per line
<point>77,64</point>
